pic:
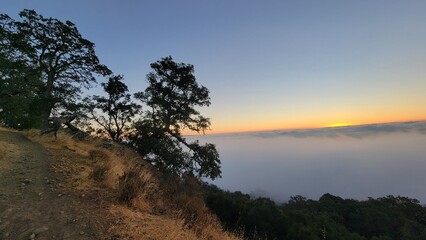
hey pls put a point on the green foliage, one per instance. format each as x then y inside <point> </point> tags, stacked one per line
<point>173,94</point>
<point>20,84</point>
<point>44,63</point>
<point>330,217</point>
<point>115,112</point>
<point>19,101</point>
<point>172,97</point>
<point>61,58</point>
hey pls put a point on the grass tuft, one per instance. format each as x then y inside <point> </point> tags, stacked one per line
<point>99,173</point>
<point>129,187</point>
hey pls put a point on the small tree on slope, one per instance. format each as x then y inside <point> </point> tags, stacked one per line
<point>114,112</point>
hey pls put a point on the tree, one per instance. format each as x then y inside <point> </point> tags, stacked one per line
<point>113,113</point>
<point>172,96</point>
<point>64,59</point>
<point>19,83</point>
<point>19,97</point>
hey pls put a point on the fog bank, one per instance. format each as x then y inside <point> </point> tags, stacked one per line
<point>351,162</point>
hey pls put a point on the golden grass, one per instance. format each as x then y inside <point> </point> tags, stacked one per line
<point>8,150</point>
<point>149,204</point>
<point>138,225</point>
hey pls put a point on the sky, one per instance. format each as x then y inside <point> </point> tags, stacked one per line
<point>268,64</point>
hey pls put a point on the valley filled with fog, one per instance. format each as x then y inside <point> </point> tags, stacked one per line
<point>351,162</point>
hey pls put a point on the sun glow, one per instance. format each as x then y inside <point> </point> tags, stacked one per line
<point>339,124</point>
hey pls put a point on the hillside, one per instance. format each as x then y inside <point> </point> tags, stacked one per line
<point>90,189</point>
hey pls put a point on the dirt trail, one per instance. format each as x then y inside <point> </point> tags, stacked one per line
<point>33,204</point>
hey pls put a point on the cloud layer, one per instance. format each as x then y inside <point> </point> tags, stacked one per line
<point>358,131</point>
<point>353,162</point>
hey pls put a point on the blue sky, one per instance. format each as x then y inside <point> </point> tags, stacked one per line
<point>268,64</point>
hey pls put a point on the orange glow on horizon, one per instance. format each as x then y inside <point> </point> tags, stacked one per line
<point>252,127</point>
<point>319,115</point>
<point>339,124</point>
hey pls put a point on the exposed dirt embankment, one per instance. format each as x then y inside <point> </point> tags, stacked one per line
<point>71,189</point>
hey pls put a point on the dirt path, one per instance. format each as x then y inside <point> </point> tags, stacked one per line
<point>33,204</point>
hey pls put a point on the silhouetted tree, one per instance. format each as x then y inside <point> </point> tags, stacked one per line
<point>114,113</point>
<point>172,96</point>
<point>19,83</point>
<point>64,59</point>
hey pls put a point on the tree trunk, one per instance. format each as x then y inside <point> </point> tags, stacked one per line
<point>48,101</point>
<point>45,117</point>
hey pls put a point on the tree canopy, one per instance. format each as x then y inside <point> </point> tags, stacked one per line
<point>63,59</point>
<point>20,83</point>
<point>114,112</point>
<point>46,62</point>
<point>330,217</point>
<point>172,97</point>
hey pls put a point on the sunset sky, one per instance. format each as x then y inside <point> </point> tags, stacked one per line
<point>268,64</point>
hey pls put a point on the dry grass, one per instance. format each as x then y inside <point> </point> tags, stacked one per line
<point>148,204</point>
<point>8,151</point>
<point>2,128</point>
<point>139,225</point>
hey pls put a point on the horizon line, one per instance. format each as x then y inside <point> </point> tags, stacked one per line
<point>307,128</point>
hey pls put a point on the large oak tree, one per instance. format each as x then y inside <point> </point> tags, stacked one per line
<point>64,60</point>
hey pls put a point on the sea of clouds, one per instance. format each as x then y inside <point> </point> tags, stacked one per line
<point>357,162</point>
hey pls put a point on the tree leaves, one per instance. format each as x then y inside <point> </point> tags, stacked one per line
<point>114,112</point>
<point>172,97</point>
<point>330,217</point>
<point>45,62</point>
<point>64,60</point>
